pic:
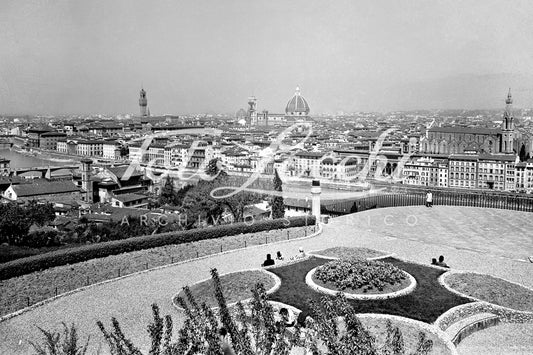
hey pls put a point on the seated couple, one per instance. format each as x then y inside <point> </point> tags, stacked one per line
<point>440,262</point>
<point>269,261</point>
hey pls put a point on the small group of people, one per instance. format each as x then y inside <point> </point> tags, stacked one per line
<point>440,262</point>
<point>269,261</point>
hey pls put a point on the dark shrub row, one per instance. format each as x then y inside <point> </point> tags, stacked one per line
<point>78,254</point>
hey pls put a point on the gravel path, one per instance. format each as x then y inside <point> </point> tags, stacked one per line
<point>481,240</point>
<point>16,293</point>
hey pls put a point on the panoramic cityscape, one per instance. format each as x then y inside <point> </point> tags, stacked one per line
<point>199,177</point>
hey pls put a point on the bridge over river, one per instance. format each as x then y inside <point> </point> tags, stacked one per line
<point>44,170</point>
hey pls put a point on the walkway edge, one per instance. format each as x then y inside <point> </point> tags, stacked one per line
<point>83,288</point>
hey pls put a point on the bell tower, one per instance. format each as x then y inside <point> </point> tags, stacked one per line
<point>143,103</point>
<point>252,111</point>
<point>508,126</point>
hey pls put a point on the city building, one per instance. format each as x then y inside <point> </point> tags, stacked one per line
<point>49,140</point>
<point>91,148</point>
<point>43,190</point>
<point>459,140</point>
<point>297,108</point>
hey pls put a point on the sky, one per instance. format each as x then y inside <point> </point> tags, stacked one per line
<point>194,56</point>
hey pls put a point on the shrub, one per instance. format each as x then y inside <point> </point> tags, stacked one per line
<point>55,344</point>
<point>42,237</point>
<point>252,332</point>
<point>354,273</point>
<point>86,252</point>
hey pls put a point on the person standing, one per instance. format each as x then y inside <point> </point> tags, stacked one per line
<point>429,199</point>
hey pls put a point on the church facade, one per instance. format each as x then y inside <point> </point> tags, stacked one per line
<point>297,109</point>
<point>459,140</point>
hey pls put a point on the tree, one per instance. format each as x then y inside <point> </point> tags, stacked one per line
<point>199,205</point>
<point>522,154</point>
<point>14,223</point>
<point>214,167</point>
<point>40,214</point>
<point>278,205</point>
<point>168,196</point>
<point>124,151</point>
<point>527,157</point>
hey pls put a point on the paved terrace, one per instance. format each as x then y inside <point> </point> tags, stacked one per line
<point>490,241</point>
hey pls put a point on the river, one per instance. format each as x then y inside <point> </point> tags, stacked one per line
<point>23,160</point>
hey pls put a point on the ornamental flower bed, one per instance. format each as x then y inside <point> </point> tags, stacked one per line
<point>357,274</point>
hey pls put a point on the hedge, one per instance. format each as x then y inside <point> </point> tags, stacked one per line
<point>86,252</point>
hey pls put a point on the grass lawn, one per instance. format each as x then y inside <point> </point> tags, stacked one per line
<point>425,303</point>
<point>504,338</point>
<point>345,252</point>
<point>493,290</point>
<point>359,291</point>
<point>236,287</point>
<point>37,286</point>
<point>378,328</point>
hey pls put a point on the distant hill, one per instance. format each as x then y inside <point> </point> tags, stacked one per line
<point>461,91</point>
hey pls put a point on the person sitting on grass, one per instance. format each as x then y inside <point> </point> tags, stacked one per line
<point>287,317</point>
<point>434,261</point>
<point>269,261</point>
<point>279,256</point>
<point>302,317</point>
<point>441,262</point>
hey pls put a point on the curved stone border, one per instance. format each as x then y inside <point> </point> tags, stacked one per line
<point>427,327</point>
<point>475,326</point>
<point>384,256</point>
<point>458,311</point>
<point>412,285</point>
<point>48,300</point>
<point>451,316</point>
<point>277,285</point>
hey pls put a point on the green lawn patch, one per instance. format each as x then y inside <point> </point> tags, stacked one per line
<point>236,287</point>
<point>346,252</point>
<point>493,290</point>
<point>428,301</point>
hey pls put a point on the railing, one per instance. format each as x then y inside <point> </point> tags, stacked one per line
<point>449,198</point>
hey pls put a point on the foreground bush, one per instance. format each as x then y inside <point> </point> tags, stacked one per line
<point>252,331</point>
<point>75,255</point>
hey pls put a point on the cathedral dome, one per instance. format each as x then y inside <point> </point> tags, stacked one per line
<point>297,106</point>
<point>241,114</point>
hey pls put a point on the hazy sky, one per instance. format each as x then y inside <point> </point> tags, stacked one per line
<point>209,56</point>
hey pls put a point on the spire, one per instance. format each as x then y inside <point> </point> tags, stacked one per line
<point>297,91</point>
<point>509,98</point>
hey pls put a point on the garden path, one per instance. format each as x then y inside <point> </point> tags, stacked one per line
<point>482,240</point>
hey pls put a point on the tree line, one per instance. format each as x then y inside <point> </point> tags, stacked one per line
<point>200,207</point>
<point>16,221</point>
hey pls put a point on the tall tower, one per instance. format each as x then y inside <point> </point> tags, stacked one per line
<point>508,126</point>
<point>86,183</point>
<point>252,111</point>
<point>143,103</point>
